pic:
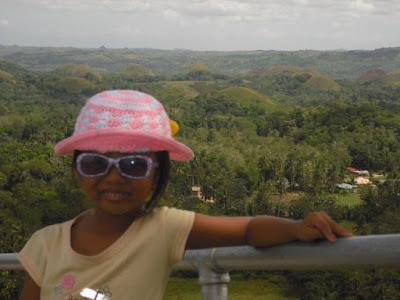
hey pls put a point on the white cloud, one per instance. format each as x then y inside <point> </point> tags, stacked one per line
<point>363,6</point>
<point>236,11</point>
<point>125,31</point>
<point>170,14</point>
<point>3,23</point>
<point>272,34</point>
<point>232,9</point>
<point>300,2</point>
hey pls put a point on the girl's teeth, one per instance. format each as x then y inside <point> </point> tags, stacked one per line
<point>115,196</point>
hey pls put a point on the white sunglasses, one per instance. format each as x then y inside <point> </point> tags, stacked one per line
<point>131,166</point>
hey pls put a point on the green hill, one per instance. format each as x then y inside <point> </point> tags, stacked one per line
<point>176,91</point>
<point>83,71</point>
<point>14,69</point>
<point>371,75</point>
<point>247,97</point>
<point>137,70</point>
<point>309,78</point>
<point>380,78</point>
<point>389,79</point>
<point>198,72</point>
<point>75,85</point>
<point>286,70</point>
<point>5,76</point>
<point>321,83</point>
<point>197,67</point>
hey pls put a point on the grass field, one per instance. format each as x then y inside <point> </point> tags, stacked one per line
<point>348,199</point>
<point>345,199</point>
<point>254,289</point>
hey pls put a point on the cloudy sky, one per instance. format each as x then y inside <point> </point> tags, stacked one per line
<point>202,24</point>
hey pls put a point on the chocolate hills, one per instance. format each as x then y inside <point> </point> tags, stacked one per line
<point>334,64</point>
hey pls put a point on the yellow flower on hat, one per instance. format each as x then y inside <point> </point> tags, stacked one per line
<point>174,127</point>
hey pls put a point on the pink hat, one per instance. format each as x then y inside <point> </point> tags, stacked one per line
<point>123,121</point>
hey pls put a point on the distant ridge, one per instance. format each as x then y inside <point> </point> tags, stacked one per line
<point>338,64</point>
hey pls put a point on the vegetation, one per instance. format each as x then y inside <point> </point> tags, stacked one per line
<point>260,138</point>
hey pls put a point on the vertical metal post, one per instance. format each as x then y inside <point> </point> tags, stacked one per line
<point>214,284</point>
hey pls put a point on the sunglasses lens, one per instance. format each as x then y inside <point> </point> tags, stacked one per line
<point>134,166</point>
<point>92,165</point>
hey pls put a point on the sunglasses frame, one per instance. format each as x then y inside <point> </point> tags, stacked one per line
<point>115,162</point>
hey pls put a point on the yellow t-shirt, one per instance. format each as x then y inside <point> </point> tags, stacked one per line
<point>136,266</point>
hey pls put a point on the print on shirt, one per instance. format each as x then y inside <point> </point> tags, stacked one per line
<point>68,283</point>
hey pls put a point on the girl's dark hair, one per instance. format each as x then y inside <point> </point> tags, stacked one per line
<point>163,171</point>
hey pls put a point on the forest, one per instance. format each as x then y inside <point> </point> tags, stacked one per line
<point>276,139</point>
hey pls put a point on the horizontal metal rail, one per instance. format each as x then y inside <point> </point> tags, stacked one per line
<point>360,252</point>
<point>213,265</point>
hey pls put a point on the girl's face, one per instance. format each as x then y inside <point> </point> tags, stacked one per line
<point>116,194</point>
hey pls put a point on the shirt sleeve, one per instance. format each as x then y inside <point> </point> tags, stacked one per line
<point>178,224</point>
<point>34,257</point>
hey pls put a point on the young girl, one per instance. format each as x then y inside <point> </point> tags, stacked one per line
<point>125,248</point>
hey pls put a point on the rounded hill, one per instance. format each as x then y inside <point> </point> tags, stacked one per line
<point>197,67</point>
<point>14,69</point>
<point>172,92</point>
<point>307,78</point>
<point>321,83</point>
<point>5,76</point>
<point>137,70</point>
<point>82,71</point>
<point>390,79</point>
<point>371,75</point>
<point>380,78</point>
<point>75,85</point>
<point>287,70</point>
<point>246,97</point>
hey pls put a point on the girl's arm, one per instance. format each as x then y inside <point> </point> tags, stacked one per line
<point>260,231</point>
<point>31,290</point>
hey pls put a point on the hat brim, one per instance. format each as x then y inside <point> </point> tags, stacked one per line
<point>111,140</point>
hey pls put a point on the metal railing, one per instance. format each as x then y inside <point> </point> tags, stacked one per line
<point>213,265</point>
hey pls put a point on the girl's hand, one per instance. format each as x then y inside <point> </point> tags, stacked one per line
<point>318,225</point>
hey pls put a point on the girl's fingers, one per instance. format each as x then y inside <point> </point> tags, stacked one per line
<point>324,227</point>
<point>335,227</point>
<point>338,230</point>
<point>324,224</point>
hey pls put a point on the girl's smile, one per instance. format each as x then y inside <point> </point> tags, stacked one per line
<point>115,196</point>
